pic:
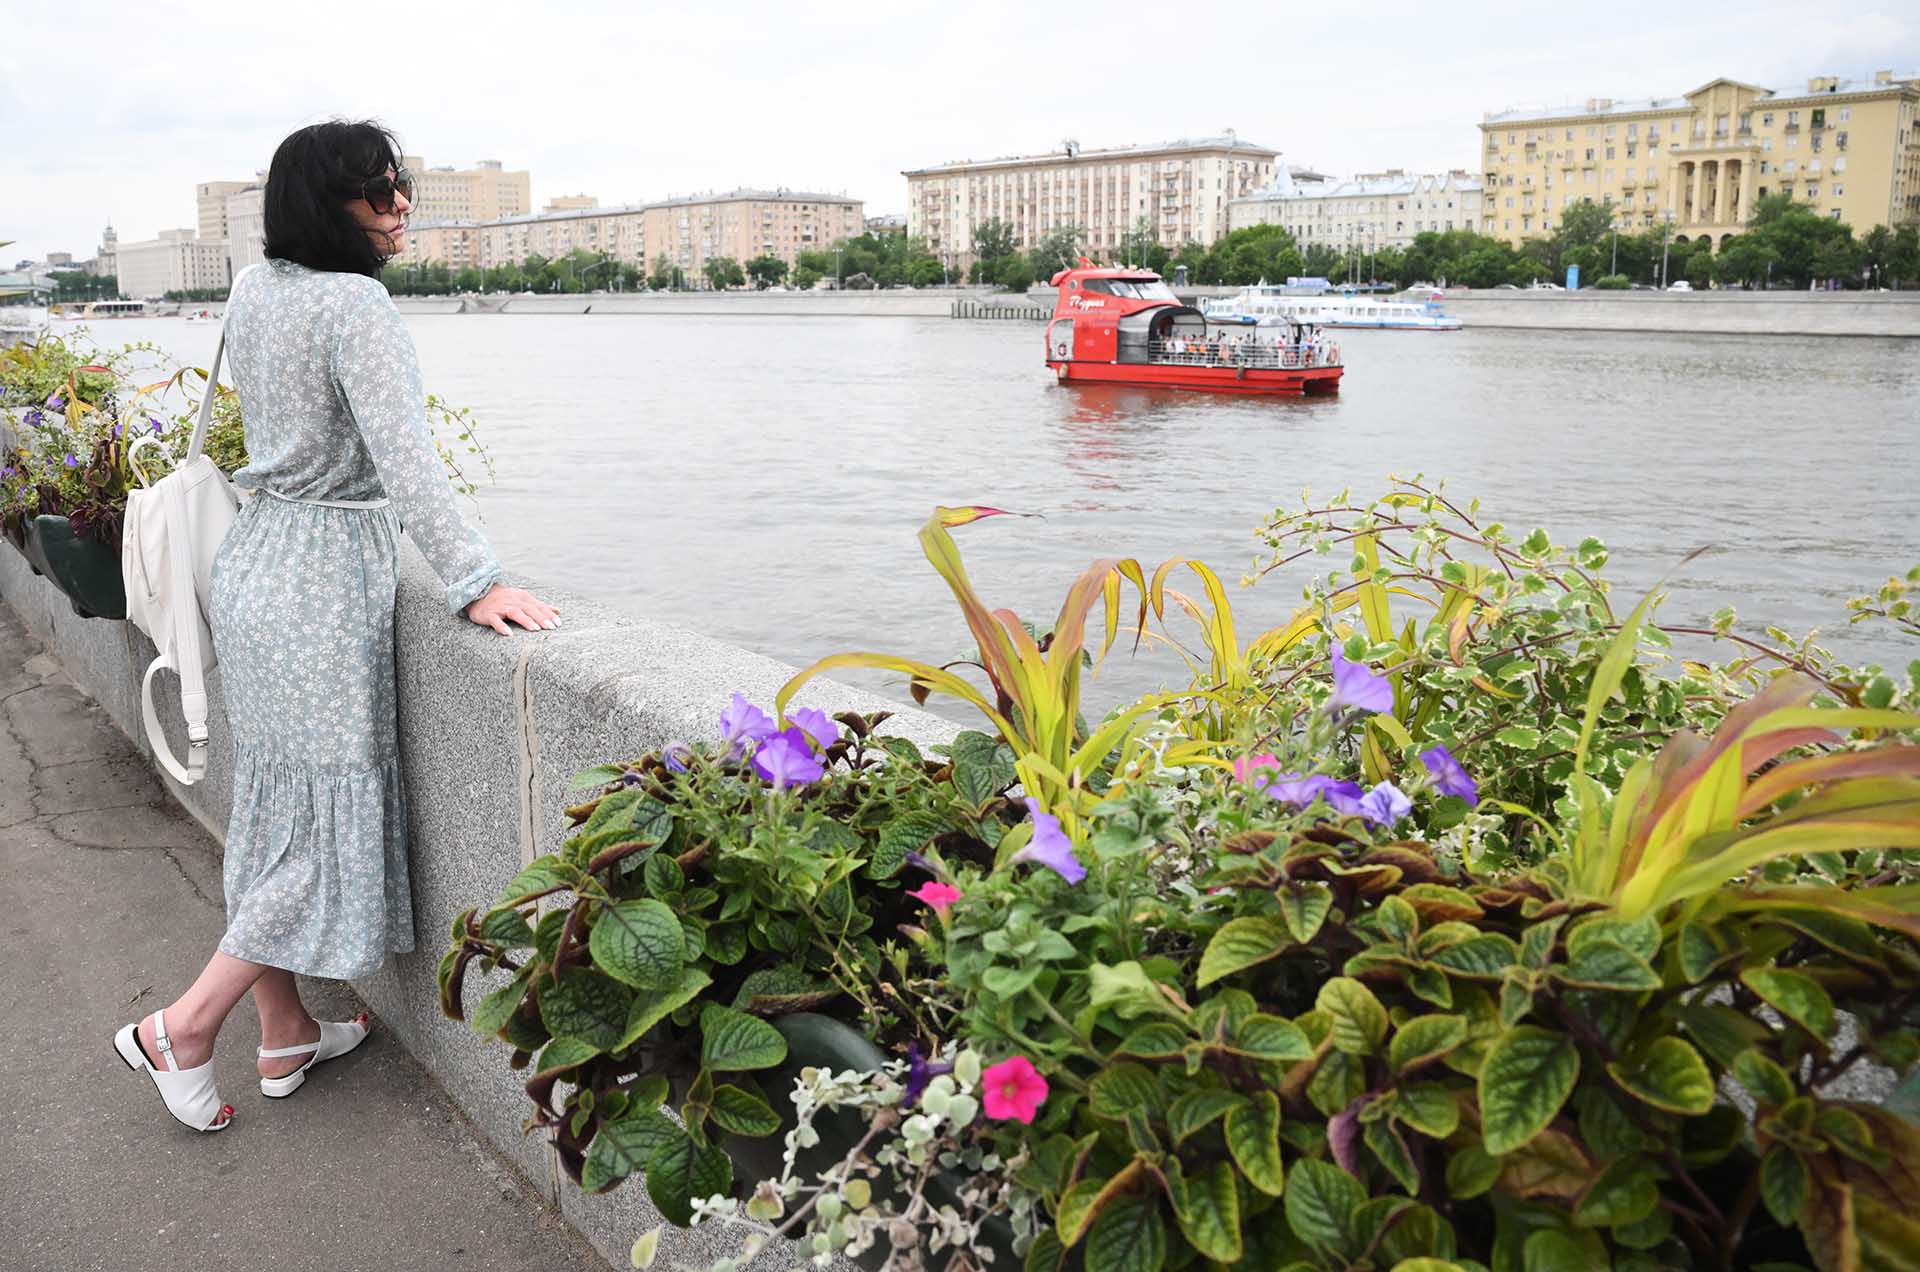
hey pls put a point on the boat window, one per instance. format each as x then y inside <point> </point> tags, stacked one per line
<point>1154,290</point>
<point>1100,286</point>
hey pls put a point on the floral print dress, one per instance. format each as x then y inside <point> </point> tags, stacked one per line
<point>302,616</point>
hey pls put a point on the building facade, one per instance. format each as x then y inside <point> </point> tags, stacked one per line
<point>210,199</point>
<point>1180,190</point>
<point>484,192</point>
<point>688,232</point>
<point>246,229</point>
<point>1847,149</point>
<point>177,260</point>
<point>1372,211</point>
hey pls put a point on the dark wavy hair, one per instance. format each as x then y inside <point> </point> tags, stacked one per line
<point>315,173</point>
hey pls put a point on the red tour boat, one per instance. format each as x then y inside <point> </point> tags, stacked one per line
<point>1125,326</point>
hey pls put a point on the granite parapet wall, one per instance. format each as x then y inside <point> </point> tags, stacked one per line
<point>491,731</point>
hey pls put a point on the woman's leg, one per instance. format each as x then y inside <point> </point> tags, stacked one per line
<point>284,1020</point>
<point>194,1018</point>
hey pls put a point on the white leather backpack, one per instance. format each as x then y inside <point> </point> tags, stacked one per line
<point>173,529</point>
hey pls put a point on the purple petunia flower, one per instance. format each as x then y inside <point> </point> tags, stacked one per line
<point>786,760</point>
<point>72,460</point>
<point>1449,778</point>
<point>1050,846</point>
<point>675,756</point>
<point>1354,685</point>
<point>919,1073</point>
<point>741,723</point>
<point>157,426</point>
<point>33,418</point>
<point>816,724</point>
<point>116,430</point>
<point>1291,788</point>
<point>55,402</point>
<point>1385,804</point>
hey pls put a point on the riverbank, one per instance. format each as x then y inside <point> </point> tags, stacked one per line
<point>1693,313</point>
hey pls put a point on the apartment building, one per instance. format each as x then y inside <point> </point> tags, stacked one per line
<point>210,200</point>
<point>178,260</point>
<point>1847,149</point>
<point>1371,211</point>
<point>246,228</point>
<point>484,192</point>
<point>1180,189</point>
<point>689,231</point>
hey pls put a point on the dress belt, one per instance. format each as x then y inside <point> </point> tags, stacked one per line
<point>326,503</point>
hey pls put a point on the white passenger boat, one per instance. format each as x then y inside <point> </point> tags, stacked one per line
<point>21,324</point>
<point>1268,304</point>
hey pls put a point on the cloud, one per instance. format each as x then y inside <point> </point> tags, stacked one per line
<point>634,102</point>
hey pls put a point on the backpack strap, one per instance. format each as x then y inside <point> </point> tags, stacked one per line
<point>182,653</point>
<point>200,425</point>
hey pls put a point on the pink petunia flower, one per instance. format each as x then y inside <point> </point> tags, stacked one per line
<point>938,895</point>
<point>1247,766</point>
<point>1013,1089</point>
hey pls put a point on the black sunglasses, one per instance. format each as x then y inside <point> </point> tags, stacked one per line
<point>379,191</point>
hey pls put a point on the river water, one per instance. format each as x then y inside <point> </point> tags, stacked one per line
<point>762,479</point>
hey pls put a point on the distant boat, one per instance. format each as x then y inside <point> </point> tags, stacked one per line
<point>1269,304</point>
<point>201,315</point>
<point>21,323</point>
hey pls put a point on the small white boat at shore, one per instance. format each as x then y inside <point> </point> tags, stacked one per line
<point>21,323</point>
<point>1268,304</point>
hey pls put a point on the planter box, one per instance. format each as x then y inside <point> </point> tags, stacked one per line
<point>87,570</point>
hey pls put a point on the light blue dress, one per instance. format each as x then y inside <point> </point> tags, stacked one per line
<point>303,600</point>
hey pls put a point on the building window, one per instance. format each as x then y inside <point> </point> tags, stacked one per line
<point>1839,191</point>
<point>1846,113</point>
<point>1840,164</point>
<point>1793,119</point>
<point>1766,119</point>
<point>1592,132</point>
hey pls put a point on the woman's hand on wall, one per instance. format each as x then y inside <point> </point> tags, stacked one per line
<point>502,603</point>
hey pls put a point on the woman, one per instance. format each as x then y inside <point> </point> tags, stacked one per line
<point>340,458</point>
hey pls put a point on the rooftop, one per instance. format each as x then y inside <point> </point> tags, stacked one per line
<point>1072,150</point>
<point>1817,86</point>
<point>1387,183</point>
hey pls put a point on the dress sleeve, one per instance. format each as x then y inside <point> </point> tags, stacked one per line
<point>379,375</point>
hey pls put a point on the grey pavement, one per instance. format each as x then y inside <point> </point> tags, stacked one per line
<point>112,904</point>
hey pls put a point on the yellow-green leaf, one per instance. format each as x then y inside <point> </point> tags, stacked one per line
<point>1526,1078</point>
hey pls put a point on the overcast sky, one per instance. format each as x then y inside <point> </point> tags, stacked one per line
<point>112,111</point>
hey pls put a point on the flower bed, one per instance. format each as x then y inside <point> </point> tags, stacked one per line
<point>1471,937</point>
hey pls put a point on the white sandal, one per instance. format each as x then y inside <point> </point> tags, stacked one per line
<point>189,1094</point>
<point>336,1039</point>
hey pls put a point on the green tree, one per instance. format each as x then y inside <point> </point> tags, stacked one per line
<point>993,239</point>
<point>1321,261</point>
<point>1700,266</point>
<point>663,275</point>
<point>805,276</point>
<point>925,271</point>
<point>1903,256</point>
<point>723,272</point>
<point>1012,273</point>
<point>1059,249</point>
<point>1251,254</point>
<point>766,269</point>
<point>1388,264</point>
<point>1140,247</point>
<point>1745,261</point>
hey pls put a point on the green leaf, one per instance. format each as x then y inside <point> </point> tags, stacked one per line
<point>624,1146</point>
<point>1527,1076</point>
<point>1196,1110</point>
<point>650,1007</point>
<point>1319,1202</point>
<point>639,943</point>
<point>586,1005</point>
<point>1425,1038</point>
<point>742,1112</point>
<point>598,775</point>
<point>489,1015</point>
<point>1125,987</point>
<point>1470,1172</point>
<point>1155,1040</point>
<point>564,1053</point>
<point>1484,957</point>
<point>1123,1088</point>
<point>1767,1081</point>
<point>1550,1251</point>
<point>1359,1021</point>
<point>1253,1137</point>
<point>1129,1236</point>
<point>1427,1108</point>
<point>732,1041</point>
<point>663,876</point>
<point>909,832</point>
<point>1641,936</point>
<point>1670,1076</point>
<point>681,1171</point>
<point>1701,949</point>
<point>1391,1152</point>
<point>1011,982</point>
<point>1270,1038</point>
<point>1783,1184</point>
<point>1601,964</point>
<point>1208,1210</point>
<point>1304,908</point>
<point>1625,1192</point>
<point>541,875</point>
<point>1519,737</point>
<point>1240,944</point>
<point>506,927</point>
<point>1794,995</point>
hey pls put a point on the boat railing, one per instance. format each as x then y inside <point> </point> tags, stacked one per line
<point>1259,357</point>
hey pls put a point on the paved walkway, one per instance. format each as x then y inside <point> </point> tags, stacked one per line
<point>110,903</point>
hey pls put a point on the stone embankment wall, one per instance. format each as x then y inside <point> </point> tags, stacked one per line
<point>1703,313</point>
<point>491,730</point>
